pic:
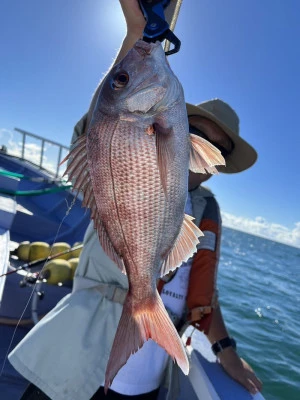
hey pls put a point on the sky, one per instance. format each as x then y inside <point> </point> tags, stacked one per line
<point>247,53</point>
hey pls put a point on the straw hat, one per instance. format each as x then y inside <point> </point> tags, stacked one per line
<point>243,155</point>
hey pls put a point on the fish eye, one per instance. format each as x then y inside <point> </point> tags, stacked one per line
<point>120,80</point>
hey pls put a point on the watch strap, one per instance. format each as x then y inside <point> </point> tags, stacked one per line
<point>222,344</point>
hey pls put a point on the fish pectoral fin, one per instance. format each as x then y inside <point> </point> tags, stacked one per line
<point>184,247</point>
<point>143,100</point>
<point>165,152</point>
<point>204,156</point>
<point>139,322</point>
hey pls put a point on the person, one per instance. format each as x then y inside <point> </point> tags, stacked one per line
<point>65,355</point>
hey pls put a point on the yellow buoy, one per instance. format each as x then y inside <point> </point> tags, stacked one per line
<point>60,247</point>
<point>23,251</point>
<point>38,250</point>
<point>56,271</point>
<point>76,253</point>
<point>73,264</point>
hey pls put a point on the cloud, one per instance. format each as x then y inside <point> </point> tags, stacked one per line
<point>261,227</point>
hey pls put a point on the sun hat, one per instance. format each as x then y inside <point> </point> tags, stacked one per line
<point>243,155</point>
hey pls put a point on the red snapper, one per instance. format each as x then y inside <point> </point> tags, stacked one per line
<point>132,166</point>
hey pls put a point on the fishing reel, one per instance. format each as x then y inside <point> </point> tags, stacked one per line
<point>32,279</point>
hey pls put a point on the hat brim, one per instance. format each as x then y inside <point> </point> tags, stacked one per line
<point>242,157</point>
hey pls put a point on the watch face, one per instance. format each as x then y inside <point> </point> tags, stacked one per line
<point>216,348</point>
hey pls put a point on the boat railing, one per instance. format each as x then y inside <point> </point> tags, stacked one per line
<point>44,153</point>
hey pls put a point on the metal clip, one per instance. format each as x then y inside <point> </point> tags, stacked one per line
<point>157,28</point>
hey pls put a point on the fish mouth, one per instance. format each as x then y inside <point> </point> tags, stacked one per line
<point>145,48</point>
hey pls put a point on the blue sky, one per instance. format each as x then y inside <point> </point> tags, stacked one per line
<point>53,54</point>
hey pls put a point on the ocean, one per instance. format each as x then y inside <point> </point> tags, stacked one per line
<point>259,292</point>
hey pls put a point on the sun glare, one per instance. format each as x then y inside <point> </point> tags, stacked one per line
<point>111,20</point>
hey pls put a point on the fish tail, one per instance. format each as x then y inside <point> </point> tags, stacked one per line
<point>138,323</point>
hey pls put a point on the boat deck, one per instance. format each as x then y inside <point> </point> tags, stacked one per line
<point>32,218</point>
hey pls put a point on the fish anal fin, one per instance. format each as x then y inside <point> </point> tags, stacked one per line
<point>184,247</point>
<point>204,156</point>
<point>165,152</point>
<point>140,321</point>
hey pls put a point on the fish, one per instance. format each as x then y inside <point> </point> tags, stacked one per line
<point>132,166</point>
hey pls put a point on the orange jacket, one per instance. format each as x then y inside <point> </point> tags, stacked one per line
<point>202,293</point>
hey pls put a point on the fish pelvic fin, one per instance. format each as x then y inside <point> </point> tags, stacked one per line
<point>184,247</point>
<point>139,322</point>
<point>204,156</point>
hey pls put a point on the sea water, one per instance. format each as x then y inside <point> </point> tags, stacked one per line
<point>259,293</point>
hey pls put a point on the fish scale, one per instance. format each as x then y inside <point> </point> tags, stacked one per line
<point>131,184</point>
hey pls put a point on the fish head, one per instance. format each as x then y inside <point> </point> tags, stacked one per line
<point>142,82</point>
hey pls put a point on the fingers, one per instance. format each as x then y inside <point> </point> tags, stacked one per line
<point>258,383</point>
<point>134,17</point>
<point>251,386</point>
<point>250,381</point>
<point>241,371</point>
<point>254,384</point>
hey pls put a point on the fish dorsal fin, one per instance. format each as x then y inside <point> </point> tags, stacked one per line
<point>165,152</point>
<point>184,247</point>
<point>204,156</point>
<point>78,173</point>
<point>78,169</point>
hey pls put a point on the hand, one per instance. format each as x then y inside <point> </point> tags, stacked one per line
<point>134,18</point>
<point>239,370</point>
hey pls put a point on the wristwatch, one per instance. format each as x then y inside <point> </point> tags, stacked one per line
<point>222,344</point>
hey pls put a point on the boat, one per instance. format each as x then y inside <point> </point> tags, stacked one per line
<point>36,204</point>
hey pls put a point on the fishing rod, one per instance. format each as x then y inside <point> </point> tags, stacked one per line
<point>61,185</point>
<point>38,179</point>
<point>35,263</point>
<point>36,192</point>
